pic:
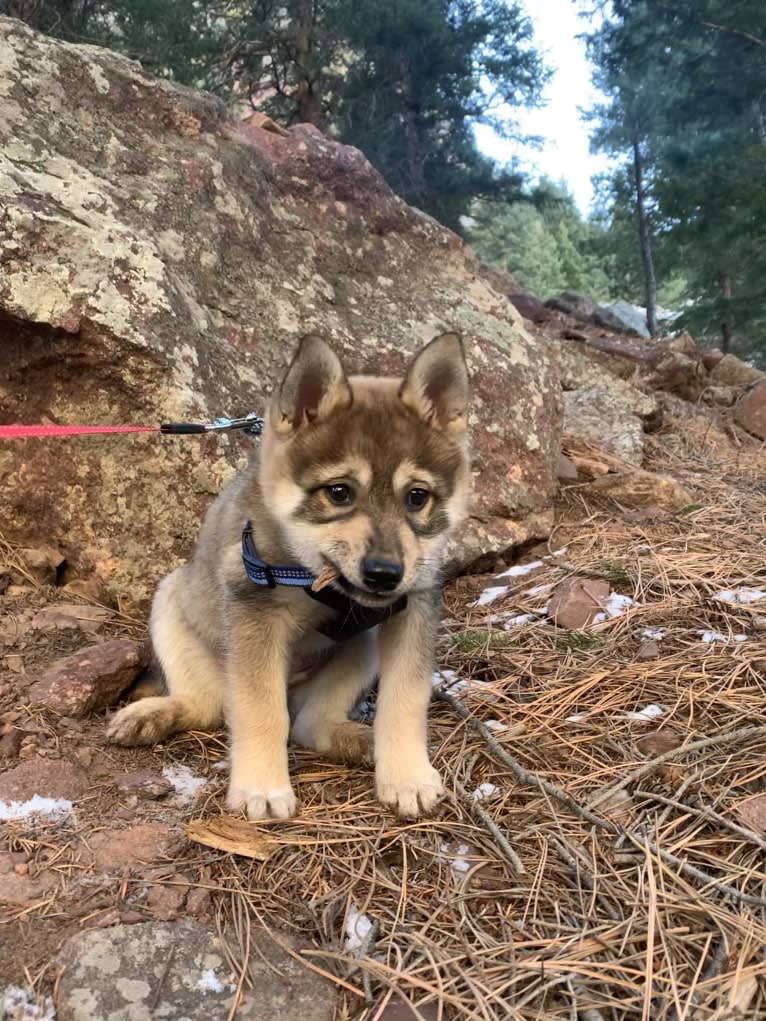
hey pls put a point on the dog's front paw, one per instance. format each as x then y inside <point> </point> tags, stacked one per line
<point>412,793</point>
<point>262,802</point>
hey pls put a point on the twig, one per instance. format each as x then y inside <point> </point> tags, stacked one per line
<point>705,813</point>
<point>525,776</point>
<point>696,746</point>
<point>163,978</point>
<point>522,775</point>
<point>486,819</point>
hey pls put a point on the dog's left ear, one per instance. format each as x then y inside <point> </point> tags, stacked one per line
<point>436,384</point>
<point>314,386</point>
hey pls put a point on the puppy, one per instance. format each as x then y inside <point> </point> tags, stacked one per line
<point>359,480</point>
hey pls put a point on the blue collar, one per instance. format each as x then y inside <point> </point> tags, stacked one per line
<point>264,574</point>
<point>351,618</point>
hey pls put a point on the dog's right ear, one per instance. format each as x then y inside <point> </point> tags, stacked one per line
<point>314,386</point>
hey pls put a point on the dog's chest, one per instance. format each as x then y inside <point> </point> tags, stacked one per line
<point>309,655</point>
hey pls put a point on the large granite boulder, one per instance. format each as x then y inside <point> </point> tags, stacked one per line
<point>159,261</point>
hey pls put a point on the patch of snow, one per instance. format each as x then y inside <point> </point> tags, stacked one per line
<point>185,783</point>
<point>458,864</point>
<point>446,679</point>
<point>539,589</point>
<point>483,791</point>
<point>495,725</point>
<point>358,929</point>
<point>54,809</point>
<point>577,718</point>
<point>210,983</point>
<point>489,595</point>
<point>219,767</point>
<point>509,621</point>
<point>658,633</point>
<point>716,636</point>
<point>17,1004</point>
<point>651,712</point>
<point>520,570</point>
<point>741,596</point>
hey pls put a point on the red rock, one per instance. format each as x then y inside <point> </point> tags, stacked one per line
<point>530,307</point>
<point>711,356</point>
<point>116,848</point>
<point>18,887</point>
<point>575,601</point>
<point>48,779</point>
<point>144,784</point>
<point>198,902</point>
<point>750,411</point>
<point>10,744</point>
<point>91,679</point>
<point>166,901</point>
<point>126,507</point>
<point>648,649</point>
<point>42,563</point>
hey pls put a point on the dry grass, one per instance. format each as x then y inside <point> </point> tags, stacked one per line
<point>650,903</point>
<point>610,876</point>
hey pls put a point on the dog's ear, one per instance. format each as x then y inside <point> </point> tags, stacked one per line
<point>436,384</point>
<point>314,386</point>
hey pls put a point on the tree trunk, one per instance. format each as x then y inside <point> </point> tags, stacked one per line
<point>645,240</point>
<point>725,281</point>
<point>415,188</point>
<point>308,100</point>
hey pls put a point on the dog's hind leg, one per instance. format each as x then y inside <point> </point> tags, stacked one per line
<point>193,675</point>
<point>322,705</point>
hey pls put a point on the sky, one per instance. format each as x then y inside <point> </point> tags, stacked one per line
<point>566,149</point>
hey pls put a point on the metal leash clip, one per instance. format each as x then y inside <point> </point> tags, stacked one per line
<point>251,425</point>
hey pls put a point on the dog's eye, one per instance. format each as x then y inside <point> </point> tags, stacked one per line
<point>340,494</point>
<point>416,499</point>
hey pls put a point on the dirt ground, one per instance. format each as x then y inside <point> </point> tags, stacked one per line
<point>599,854</point>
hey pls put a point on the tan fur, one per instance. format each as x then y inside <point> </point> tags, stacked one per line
<point>252,655</point>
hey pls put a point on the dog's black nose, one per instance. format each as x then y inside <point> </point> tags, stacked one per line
<point>381,575</point>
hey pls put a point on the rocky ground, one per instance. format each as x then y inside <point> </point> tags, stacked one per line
<point>634,632</point>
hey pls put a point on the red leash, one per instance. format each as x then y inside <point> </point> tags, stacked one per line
<point>251,425</point>
<point>26,432</point>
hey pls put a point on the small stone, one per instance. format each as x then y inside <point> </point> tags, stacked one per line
<point>643,489</point>
<point>648,649</point>
<point>42,563</point>
<point>657,742</point>
<point>750,411</point>
<point>575,601</point>
<point>730,371</point>
<point>86,588</point>
<point>10,744</point>
<point>14,663</point>
<point>60,616</point>
<point>60,780</point>
<point>116,848</point>
<point>403,1010</point>
<point>711,356</point>
<point>21,869</point>
<point>566,470</point>
<point>19,888</point>
<point>144,784</point>
<point>91,679</point>
<point>166,902</point>
<point>198,902</point>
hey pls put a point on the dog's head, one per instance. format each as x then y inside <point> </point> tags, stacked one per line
<point>368,475</point>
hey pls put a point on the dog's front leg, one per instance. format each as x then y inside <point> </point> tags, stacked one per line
<point>256,712</point>
<point>405,779</point>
